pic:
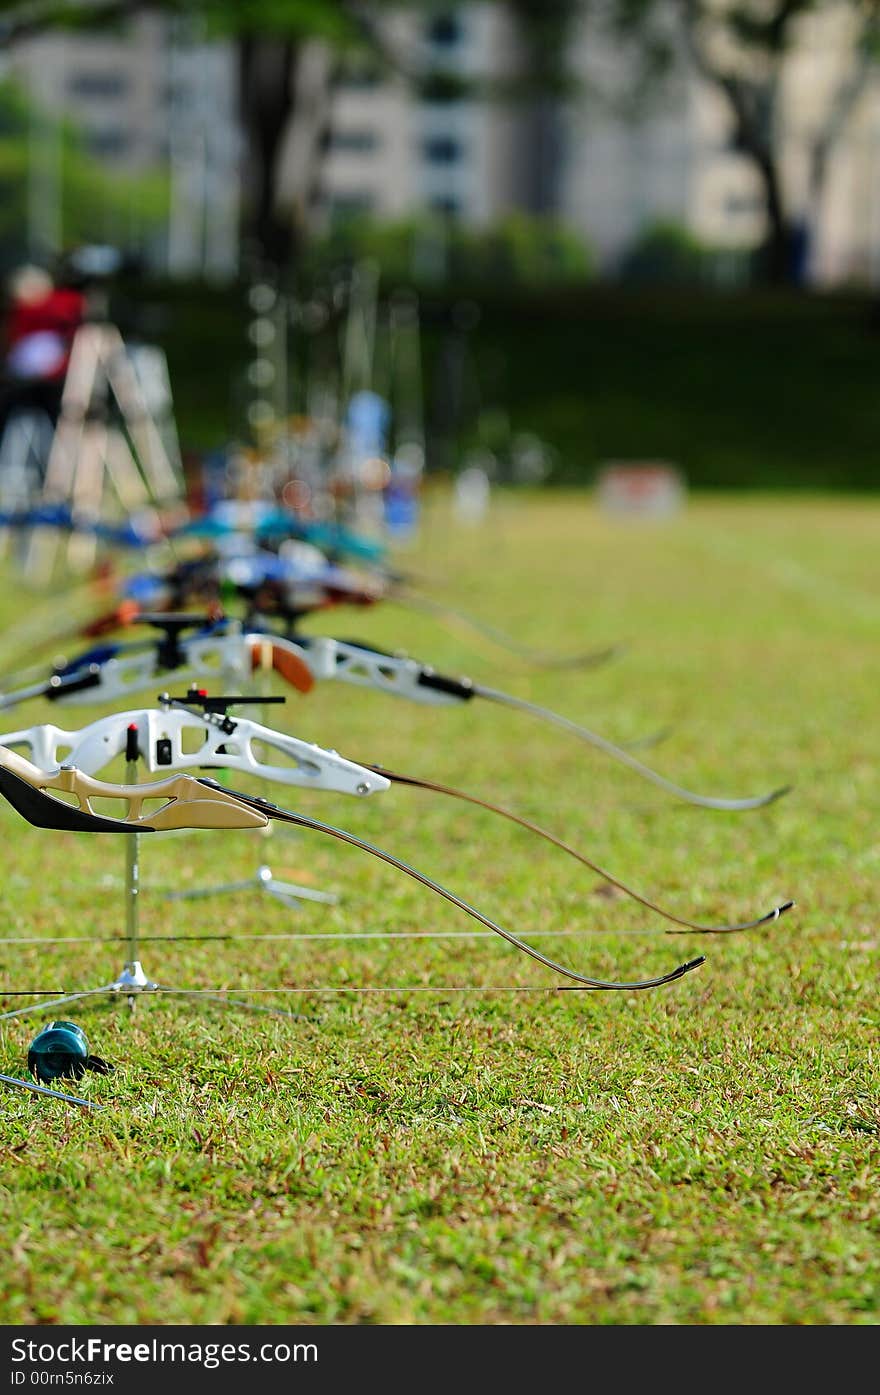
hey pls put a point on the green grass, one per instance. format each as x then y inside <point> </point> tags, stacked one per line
<point>706,1153</point>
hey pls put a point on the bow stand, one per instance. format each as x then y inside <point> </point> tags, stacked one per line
<point>133,981</point>
<point>158,738</point>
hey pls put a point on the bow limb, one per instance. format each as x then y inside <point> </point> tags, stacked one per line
<point>582,981</point>
<point>416,783</point>
<point>618,753</point>
<point>590,658</point>
<point>406,677</point>
<point>183,801</point>
<point>202,803</point>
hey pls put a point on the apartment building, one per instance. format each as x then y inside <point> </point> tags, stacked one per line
<point>432,130</point>
<point>395,145</point>
<point>156,98</point>
<point>610,169</point>
<point>676,162</point>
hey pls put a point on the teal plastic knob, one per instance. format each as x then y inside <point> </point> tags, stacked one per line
<point>61,1049</point>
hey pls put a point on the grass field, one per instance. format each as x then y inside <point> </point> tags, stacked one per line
<point>705,1153</point>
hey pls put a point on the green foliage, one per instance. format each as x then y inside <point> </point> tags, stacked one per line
<point>665,252</point>
<point>333,21</point>
<point>96,204</point>
<point>520,250</point>
<point>531,251</point>
<point>345,24</point>
<point>284,18</point>
<point>742,390</point>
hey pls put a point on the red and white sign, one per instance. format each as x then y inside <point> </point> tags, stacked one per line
<point>646,489</point>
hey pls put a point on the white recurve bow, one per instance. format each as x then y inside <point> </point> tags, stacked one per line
<point>177,738</point>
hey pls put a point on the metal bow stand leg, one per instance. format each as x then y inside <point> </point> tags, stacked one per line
<point>288,893</point>
<point>133,981</point>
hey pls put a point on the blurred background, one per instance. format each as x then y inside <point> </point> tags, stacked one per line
<point>632,243</point>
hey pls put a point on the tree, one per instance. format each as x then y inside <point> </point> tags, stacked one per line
<point>545,78</point>
<point>274,38</point>
<point>91,201</point>
<point>271,37</point>
<point>742,48</point>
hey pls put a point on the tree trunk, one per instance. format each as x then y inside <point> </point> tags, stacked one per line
<point>266,94</point>
<point>781,258</point>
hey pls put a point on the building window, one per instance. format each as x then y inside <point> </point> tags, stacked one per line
<point>442,150</point>
<point>349,203</point>
<point>357,74</point>
<point>353,142</point>
<point>444,29</point>
<point>445,203</point>
<point>110,141</point>
<point>442,86</point>
<point>105,85</point>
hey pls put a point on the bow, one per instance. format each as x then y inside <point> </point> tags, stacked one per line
<point>137,530</point>
<point>175,736</point>
<point>286,591</point>
<point>111,672</point>
<point>187,802</point>
<point>267,523</point>
<point>264,521</point>
<point>162,734</point>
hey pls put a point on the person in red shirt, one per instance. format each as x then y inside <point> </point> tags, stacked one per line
<point>41,322</point>
<point>42,318</point>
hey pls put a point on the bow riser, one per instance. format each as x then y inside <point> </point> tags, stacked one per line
<point>231,658</point>
<point>181,740</point>
<point>389,673</point>
<point>225,658</point>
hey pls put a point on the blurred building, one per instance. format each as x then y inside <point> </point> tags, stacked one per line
<point>676,163</point>
<point>154,99</point>
<point>608,168</point>
<point>441,127</point>
<point>393,145</point>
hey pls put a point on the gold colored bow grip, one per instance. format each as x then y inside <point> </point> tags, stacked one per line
<point>182,801</point>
